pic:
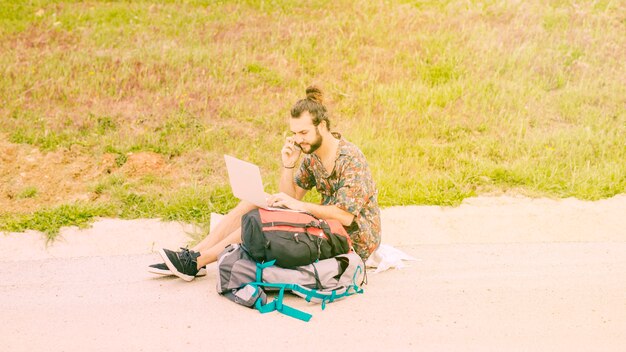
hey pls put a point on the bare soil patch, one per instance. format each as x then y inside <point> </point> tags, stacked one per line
<point>31,179</point>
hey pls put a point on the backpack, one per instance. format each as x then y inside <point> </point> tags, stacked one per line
<point>292,238</point>
<point>244,281</point>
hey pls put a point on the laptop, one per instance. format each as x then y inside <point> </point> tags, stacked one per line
<point>246,183</point>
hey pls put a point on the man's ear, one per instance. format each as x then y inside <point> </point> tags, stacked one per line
<point>325,124</point>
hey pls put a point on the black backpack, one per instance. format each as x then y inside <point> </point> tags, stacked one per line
<point>292,238</point>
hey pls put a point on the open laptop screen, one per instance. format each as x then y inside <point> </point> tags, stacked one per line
<point>245,181</point>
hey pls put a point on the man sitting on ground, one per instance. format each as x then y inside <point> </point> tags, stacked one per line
<point>334,166</point>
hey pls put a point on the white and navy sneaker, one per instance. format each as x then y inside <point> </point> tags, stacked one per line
<point>183,263</point>
<point>162,269</point>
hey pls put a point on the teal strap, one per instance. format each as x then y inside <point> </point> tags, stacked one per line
<point>276,286</point>
<point>323,297</point>
<point>295,313</point>
<point>260,267</point>
<point>310,294</point>
<point>270,307</point>
<point>279,299</point>
<point>356,287</point>
<point>277,305</point>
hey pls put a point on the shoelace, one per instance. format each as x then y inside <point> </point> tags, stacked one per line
<point>187,257</point>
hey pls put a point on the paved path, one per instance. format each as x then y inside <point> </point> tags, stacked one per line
<point>457,297</point>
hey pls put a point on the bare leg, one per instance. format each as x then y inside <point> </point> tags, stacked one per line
<point>230,223</point>
<point>210,255</point>
<point>228,231</point>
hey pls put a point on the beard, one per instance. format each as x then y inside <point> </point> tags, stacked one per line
<point>313,146</point>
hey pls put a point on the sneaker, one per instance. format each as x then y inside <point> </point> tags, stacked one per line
<point>162,269</point>
<point>183,264</point>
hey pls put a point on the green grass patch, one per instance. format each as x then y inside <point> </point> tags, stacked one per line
<point>50,221</point>
<point>447,99</point>
<point>27,192</point>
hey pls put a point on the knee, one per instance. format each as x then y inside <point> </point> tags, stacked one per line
<point>244,207</point>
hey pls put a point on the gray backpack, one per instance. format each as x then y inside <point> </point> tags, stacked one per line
<point>246,282</point>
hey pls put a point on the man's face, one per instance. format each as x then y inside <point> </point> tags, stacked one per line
<point>306,135</point>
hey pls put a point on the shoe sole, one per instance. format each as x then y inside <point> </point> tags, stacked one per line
<point>201,272</point>
<point>173,269</point>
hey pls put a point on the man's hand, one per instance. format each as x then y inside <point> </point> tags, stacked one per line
<point>290,153</point>
<point>320,211</point>
<point>284,200</point>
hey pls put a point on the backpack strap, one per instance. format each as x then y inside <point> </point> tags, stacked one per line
<point>306,293</point>
<point>260,267</point>
<point>354,286</point>
<point>278,305</point>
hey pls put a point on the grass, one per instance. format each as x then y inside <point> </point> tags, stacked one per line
<point>448,99</point>
<point>188,205</point>
<point>28,192</point>
<point>49,221</point>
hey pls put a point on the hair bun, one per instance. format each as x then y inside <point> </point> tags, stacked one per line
<point>314,94</point>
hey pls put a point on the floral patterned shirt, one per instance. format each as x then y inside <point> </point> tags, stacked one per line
<point>350,187</point>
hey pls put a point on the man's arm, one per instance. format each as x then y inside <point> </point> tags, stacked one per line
<point>288,185</point>
<point>320,211</point>
<point>290,154</point>
<point>328,212</point>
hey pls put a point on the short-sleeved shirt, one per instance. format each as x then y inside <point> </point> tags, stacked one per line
<point>350,187</point>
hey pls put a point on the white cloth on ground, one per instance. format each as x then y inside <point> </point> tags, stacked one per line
<point>387,257</point>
